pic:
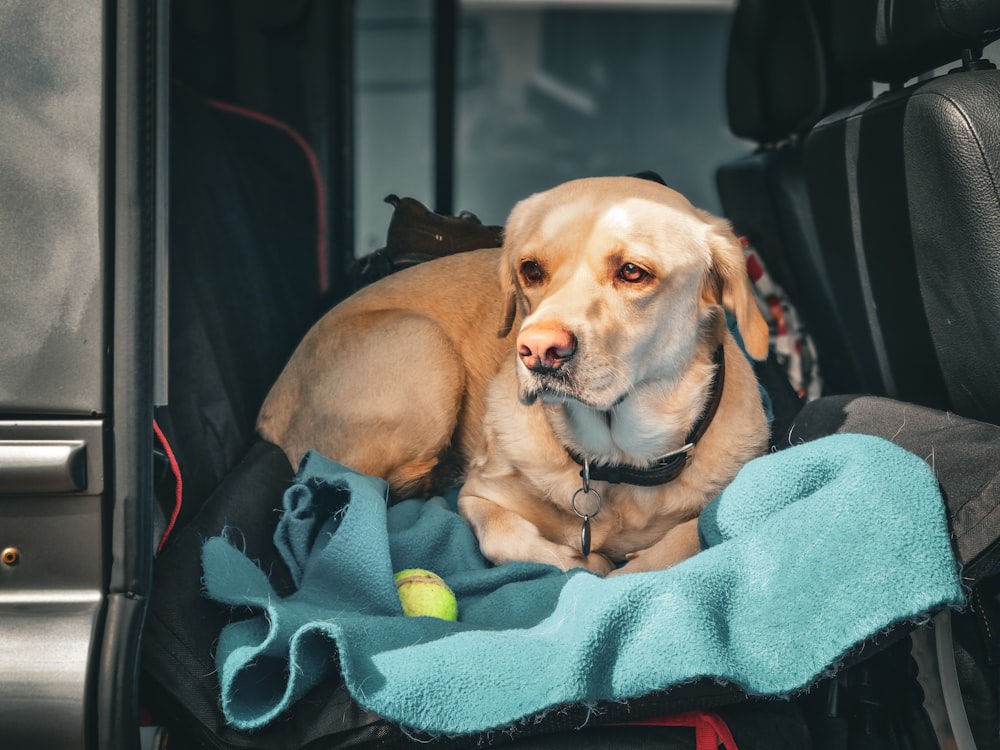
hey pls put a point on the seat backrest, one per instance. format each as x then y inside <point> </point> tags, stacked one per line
<point>775,90</point>
<point>246,264</point>
<point>883,173</point>
<point>954,199</point>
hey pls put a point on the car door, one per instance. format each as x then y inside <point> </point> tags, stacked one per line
<point>79,235</point>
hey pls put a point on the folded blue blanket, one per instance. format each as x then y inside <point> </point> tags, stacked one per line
<point>811,551</point>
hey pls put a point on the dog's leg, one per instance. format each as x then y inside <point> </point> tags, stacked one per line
<point>505,536</point>
<point>677,545</point>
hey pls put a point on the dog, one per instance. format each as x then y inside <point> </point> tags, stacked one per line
<point>595,425</point>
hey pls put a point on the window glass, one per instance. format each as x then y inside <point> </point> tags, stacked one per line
<point>551,92</point>
<point>546,92</point>
<point>393,107</point>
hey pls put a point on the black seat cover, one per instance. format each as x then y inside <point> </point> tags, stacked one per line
<point>244,282</point>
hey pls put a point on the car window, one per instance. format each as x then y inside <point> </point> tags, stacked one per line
<point>545,92</point>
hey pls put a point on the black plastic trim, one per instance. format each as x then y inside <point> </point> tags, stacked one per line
<point>135,32</point>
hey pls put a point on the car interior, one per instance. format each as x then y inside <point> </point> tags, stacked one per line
<point>867,183</point>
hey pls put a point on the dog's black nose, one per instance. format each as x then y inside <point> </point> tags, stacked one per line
<point>545,347</point>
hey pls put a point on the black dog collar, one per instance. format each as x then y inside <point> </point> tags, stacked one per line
<point>666,468</point>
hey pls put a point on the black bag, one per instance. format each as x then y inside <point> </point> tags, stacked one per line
<point>416,234</point>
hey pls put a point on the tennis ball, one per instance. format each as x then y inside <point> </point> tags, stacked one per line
<point>424,594</point>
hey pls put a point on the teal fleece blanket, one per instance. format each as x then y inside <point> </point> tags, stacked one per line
<point>809,552</point>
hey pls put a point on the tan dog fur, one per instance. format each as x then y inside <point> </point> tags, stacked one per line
<point>409,376</point>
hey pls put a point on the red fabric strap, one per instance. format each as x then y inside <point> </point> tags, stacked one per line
<point>710,730</point>
<point>175,469</point>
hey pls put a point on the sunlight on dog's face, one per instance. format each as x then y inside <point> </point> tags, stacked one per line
<point>609,289</point>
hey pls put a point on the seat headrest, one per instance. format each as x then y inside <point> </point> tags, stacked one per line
<point>894,41</point>
<point>775,70</point>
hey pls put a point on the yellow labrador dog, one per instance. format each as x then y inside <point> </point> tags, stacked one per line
<point>594,427</point>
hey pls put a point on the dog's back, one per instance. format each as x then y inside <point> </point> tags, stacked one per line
<point>383,381</point>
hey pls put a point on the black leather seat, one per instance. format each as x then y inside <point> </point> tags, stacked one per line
<point>955,207</point>
<point>905,204</point>
<point>905,192</point>
<point>776,88</point>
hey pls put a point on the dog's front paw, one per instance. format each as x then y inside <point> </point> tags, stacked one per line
<point>595,562</point>
<point>680,543</point>
<point>640,562</point>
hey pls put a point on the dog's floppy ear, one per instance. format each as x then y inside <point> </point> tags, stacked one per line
<point>509,290</point>
<point>729,284</point>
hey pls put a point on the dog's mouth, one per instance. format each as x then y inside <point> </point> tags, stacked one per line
<point>548,395</point>
<point>558,387</point>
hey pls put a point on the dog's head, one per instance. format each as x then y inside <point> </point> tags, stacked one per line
<point>618,281</point>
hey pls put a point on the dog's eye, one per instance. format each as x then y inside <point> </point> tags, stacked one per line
<point>531,272</point>
<point>632,273</point>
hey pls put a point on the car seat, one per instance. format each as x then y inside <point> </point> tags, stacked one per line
<point>878,176</point>
<point>243,240</point>
<point>776,89</point>
<point>905,185</point>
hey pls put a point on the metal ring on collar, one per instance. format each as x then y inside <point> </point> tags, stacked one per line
<point>590,491</point>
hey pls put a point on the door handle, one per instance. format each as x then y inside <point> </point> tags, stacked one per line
<point>42,467</point>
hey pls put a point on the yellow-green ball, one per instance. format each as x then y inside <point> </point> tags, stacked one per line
<point>425,594</point>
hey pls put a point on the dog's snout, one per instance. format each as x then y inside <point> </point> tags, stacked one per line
<point>543,347</point>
